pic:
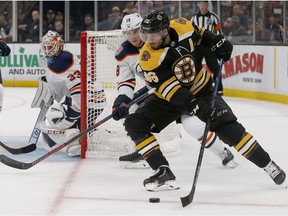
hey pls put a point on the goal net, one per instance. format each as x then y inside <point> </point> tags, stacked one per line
<point>98,83</point>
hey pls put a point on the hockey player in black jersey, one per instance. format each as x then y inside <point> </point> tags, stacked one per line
<point>128,70</point>
<point>167,60</point>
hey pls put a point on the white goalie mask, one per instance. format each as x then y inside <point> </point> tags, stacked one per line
<point>130,22</point>
<point>52,44</point>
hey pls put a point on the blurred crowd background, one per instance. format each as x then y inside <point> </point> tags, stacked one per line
<point>243,22</point>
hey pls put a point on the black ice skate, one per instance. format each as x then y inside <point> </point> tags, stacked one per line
<point>133,160</point>
<point>163,179</point>
<point>275,172</point>
<point>228,159</point>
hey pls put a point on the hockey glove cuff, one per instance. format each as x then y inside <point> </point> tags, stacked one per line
<point>119,109</point>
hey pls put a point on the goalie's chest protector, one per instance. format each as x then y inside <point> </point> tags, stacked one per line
<point>64,74</point>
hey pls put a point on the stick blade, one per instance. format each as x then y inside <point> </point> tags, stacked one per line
<point>30,148</point>
<point>189,198</point>
<point>186,200</point>
<point>22,150</point>
<point>13,163</point>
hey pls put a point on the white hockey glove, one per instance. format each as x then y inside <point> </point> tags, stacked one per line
<point>43,94</point>
<point>62,116</point>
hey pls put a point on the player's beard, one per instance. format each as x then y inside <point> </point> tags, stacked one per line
<point>156,45</point>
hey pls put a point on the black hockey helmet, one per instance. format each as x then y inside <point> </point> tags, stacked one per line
<point>155,21</point>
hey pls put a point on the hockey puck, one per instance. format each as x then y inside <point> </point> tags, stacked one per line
<point>154,200</point>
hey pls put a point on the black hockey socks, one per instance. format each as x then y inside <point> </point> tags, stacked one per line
<point>251,149</point>
<point>150,150</point>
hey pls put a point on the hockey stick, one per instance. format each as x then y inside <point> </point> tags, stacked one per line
<point>189,198</point>
<point>33,138</point>
<point>22,165</point>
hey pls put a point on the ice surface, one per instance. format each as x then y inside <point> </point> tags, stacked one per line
<point>70,186</point>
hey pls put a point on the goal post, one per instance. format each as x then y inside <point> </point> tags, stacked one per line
<point>98,71</point>
<point>83,121</point>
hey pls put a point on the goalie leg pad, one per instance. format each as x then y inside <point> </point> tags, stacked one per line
<point>55,137</point>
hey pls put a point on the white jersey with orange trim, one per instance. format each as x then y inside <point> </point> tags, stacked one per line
<point>64,77</point>
<point>127,68</point>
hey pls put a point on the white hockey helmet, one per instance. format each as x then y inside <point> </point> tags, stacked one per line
<point>131,21</point>
<point>52,44</point>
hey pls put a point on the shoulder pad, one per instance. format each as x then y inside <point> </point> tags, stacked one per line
<point>62,62</point>
<point>182,26</point>
<point>125,50</point>
<point>151,59</point>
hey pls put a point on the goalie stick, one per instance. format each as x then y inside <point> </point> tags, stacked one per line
<point>189,198</point>
<point>33,138</point>
<point>24,166</point>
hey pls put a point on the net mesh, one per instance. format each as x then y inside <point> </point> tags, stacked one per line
<point>110,139</point>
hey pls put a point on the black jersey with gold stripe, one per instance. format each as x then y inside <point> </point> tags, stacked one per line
<point>172,68</point>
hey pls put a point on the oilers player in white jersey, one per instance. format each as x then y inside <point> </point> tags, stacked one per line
<point>128,67</point>
<point>4,51</point>
<point>62,83</point>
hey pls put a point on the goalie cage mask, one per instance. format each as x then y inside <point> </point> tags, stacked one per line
<point>52,44</point>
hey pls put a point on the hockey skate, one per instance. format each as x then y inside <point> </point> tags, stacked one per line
<point>275,172</point>
<point>162,180</point>
<point>228,159</point>
<point>133,161</point>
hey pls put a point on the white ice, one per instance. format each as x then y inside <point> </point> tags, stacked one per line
<point>71,186</point>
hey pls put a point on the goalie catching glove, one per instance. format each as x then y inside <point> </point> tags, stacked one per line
<point>62,116</point>
<point>119,110</point>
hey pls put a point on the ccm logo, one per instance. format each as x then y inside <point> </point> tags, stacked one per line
<point>56,132</point>
<point>218,44</point>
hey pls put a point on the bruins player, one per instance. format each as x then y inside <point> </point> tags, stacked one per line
<point>167,59</point>
<point>127,70</point>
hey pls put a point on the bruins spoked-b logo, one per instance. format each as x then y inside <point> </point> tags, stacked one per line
<point>145,56</point>
<point>184,69</point>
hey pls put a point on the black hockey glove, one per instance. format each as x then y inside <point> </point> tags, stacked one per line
<point>222,48</point>
<point>4,48</point>
<point>202,110</point>
<point>119,110</point>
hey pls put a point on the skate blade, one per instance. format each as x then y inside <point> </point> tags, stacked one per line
<point>168,186</point>
<point>232,164</point>
<point>134,165</point>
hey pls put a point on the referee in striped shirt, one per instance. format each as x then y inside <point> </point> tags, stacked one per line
<point>210,21</point>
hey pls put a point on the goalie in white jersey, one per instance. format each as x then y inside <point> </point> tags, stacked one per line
<point>128,67</point>
<point>62,83</point>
